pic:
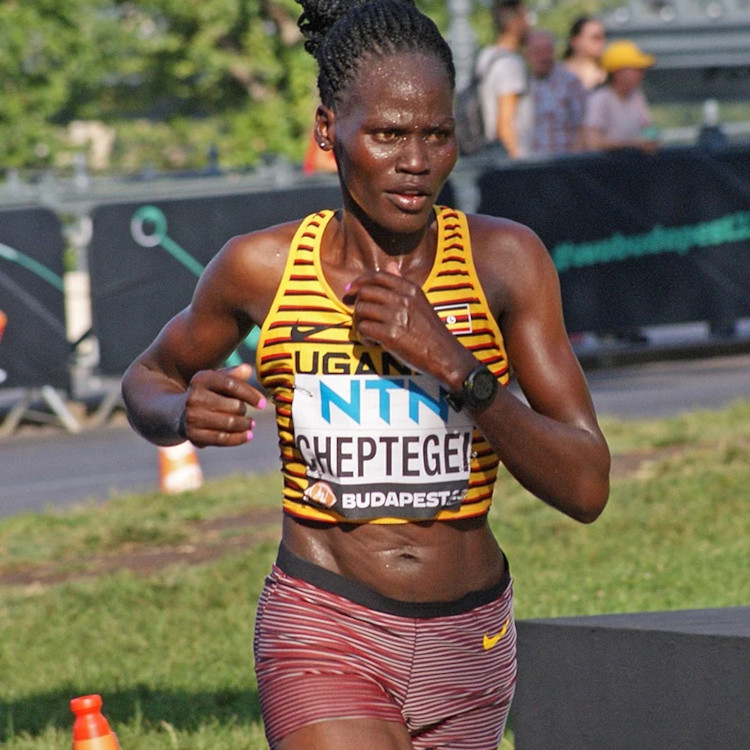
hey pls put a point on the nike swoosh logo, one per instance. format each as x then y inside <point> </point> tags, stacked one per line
<point>299,333</point>
<point>490,641</point>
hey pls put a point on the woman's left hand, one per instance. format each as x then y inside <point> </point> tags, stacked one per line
<point>393,312</point>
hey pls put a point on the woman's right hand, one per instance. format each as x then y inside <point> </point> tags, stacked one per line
<point>216,407</point>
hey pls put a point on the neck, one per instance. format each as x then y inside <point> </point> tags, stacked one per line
<point>509,40</point>
<point>622,91</point>
<point>542,75</point>
<point>369,246</point>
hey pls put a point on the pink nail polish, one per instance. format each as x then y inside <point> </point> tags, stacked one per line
<point>248,436</point>
<point>348,286</point>
<point>262,404</point>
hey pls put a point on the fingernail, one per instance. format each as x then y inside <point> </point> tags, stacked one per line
<point>248,436</point>
<point>348,286</point>
<point>262,404</point>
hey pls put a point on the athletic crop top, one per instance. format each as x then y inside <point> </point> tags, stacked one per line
<point>363,437</point>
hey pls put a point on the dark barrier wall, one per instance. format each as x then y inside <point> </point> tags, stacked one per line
<point>644,681</point>
<point>145,258</point>
<point>33,349</point>
<point>637,240</point>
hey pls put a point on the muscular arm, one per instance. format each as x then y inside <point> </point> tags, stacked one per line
<point>553,445</point>
<point>177,387</point>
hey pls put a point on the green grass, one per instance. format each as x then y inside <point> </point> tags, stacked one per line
<point>171,651</point>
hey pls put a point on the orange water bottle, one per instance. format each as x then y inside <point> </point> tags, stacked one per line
<point>90,729</point>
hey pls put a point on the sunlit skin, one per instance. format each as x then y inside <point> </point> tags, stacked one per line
<point>393,138</point>
<point>394,143</point>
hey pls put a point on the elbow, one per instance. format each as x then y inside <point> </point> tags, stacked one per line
<point>584,501</point>
<point>589,493</point>
<point>592,496</point>
<point>590,512</point>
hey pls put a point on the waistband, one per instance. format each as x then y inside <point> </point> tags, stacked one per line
<point>327,580</point>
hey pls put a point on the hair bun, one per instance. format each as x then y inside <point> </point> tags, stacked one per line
<point>341,34</point>
<point>318,16</point>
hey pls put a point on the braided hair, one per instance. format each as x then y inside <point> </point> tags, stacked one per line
<point>341,34</point>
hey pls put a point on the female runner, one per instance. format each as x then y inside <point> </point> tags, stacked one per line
<point>388,329</point>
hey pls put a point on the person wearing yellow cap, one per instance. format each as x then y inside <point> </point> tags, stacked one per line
<point>617,114</point>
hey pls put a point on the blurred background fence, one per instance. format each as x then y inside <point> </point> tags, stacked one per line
<point>92,265</point>
<point>91,270</point>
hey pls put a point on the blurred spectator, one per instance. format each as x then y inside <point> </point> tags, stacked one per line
<point>711,136</point>
<point>556,100</point>
<point>583,52</point>
<point>212,168</point>
<point>617,117</point>
<point>504,75</point>
<point>617,114</point>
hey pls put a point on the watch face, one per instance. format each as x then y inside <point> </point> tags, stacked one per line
<point>483,386</point>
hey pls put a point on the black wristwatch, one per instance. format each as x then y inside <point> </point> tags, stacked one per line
<point>477,391</point>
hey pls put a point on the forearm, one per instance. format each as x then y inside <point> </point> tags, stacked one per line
<point>506,124</point>
<point>555,450</point>
<point>565,465</point>
<point>508,137</point>
<point>155,405</point>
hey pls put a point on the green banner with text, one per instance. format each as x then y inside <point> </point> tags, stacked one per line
<point>638,240</point>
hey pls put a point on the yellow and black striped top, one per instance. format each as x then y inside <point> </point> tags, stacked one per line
<point>363,438</point>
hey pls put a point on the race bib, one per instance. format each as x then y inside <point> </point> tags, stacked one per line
<point>379,446</point>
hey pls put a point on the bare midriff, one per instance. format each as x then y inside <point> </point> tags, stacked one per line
<point>426,561</point>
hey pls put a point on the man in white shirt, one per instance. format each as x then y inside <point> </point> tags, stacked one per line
<point>503,73</point>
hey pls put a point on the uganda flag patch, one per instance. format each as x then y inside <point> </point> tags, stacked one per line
<point>457,318</point>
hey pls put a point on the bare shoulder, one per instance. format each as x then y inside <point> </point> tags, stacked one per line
<point>259,251</point>
<point>246,272</point>
<point>501,238</point>
<point>509,257</point>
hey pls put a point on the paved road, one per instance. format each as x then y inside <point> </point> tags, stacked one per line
<point>661,389</point>
<point>57,469</point>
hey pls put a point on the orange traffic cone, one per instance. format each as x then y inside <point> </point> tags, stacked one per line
<point>179,469</point>
<point>90,729</point>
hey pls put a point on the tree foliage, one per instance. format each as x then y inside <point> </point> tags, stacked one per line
<point>171,76</point>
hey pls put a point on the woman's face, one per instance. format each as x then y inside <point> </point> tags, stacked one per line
<point>394,139</point>
<point>590,40</point>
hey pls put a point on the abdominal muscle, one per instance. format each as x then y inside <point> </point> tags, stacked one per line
<point>414,562</point>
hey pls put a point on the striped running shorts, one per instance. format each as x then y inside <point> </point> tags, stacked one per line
<point>329,648</point>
